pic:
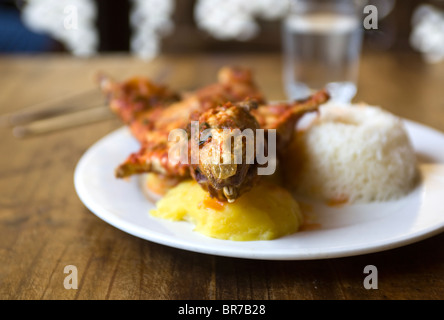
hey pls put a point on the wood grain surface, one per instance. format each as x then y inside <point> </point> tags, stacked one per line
<point>44,226</point>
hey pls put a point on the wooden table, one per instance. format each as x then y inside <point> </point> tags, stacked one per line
<point>44,226</point>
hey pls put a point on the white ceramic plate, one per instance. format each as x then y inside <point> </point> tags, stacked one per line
<point>344,231</point>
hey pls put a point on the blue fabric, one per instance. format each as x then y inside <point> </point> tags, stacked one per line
<point>16,38</point>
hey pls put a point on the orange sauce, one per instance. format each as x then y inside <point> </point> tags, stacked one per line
<point>309,216</point>
<point>337,202</point>
<point>212,203</point>
<point>310,226</point>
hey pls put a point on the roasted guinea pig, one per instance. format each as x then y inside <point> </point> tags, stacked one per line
<point>219,112</point>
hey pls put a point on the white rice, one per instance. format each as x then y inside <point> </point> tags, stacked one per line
<point>352,153</point>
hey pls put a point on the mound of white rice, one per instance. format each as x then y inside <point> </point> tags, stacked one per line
<point>352,153</point>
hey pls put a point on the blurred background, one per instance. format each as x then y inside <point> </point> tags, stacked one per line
<point>148,28</point>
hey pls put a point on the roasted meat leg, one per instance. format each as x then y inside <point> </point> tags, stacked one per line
<point>152,123</point>
<point>224,177</point>
<point>234,104</point>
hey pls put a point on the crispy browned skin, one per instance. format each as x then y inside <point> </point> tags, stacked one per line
<point>228,178</point>
<point>129,99</point>
<point>234,102</point>
<point>152,125</point>
<point>284,116</point>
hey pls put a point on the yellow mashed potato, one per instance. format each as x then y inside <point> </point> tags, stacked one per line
<point>266,212</point>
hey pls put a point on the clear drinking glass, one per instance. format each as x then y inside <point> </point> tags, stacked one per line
<point>322,42</point>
